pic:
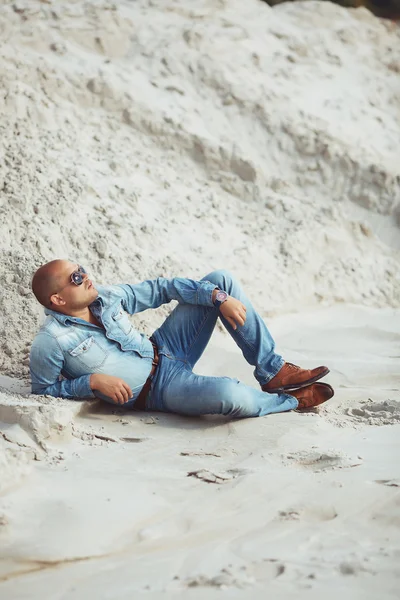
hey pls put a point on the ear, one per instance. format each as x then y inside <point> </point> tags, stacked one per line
<point>57,300</point>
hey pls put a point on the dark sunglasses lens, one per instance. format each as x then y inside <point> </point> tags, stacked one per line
<point>77,277</point>
<point>82,270</point>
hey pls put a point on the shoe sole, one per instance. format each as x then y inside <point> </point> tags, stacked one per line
<point>298,386</point>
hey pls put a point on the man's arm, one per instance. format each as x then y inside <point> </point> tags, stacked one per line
<point>46,363</point>
<point>152,293</point>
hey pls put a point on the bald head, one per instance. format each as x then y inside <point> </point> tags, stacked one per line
<point>48,279</point>
<point>54,288</point>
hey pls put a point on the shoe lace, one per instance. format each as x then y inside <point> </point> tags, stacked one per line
<point>292,367</point>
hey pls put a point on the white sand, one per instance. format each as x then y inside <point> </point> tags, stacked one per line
<point>153,138</point>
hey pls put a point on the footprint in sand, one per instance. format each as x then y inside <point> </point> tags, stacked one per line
<point>226,578</point>
<point>389,482</point>
<point>288,515</point>
<point>308,513</point>
<point>323,461</point>
<point>222,477</point>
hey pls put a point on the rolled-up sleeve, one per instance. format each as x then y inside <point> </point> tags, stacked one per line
<point>152,293</point>
<point>46,363</point>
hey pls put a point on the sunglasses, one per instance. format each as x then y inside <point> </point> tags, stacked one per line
<point>77,278</point>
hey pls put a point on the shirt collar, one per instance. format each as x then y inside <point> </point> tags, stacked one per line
<point>61,318</point>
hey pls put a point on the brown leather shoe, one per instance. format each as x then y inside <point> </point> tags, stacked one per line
<point>292,377</point>
<point>312,395</point>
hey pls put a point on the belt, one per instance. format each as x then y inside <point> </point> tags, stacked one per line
<point>141,399</point>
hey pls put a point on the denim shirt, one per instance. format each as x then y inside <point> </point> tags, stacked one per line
<point>67,350</point>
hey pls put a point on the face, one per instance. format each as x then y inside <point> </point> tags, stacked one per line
<point>67,295</point>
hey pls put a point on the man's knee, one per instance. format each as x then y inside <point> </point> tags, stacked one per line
<point>221,278</point>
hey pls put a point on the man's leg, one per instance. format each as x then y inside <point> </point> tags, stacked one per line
<point>187,331</point>
<point>183,338</point>
<point>190,394</point>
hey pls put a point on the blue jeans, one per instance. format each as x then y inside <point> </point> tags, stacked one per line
<point>182,339</point>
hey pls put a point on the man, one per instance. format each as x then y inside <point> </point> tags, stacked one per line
<point>87,346</point>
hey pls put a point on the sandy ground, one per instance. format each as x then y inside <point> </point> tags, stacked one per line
<point>126,504</point>
<point>153,138</point>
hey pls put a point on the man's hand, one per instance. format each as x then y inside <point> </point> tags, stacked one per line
<point>234,311</point>
<point>113,387</point>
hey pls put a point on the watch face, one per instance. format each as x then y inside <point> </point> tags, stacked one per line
<point>221,296</point>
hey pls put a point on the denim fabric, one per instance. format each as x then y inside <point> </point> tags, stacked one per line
<point>181,340</point>
<point>75,349</point>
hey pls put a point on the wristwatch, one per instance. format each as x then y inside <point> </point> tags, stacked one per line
<point>220,298</point>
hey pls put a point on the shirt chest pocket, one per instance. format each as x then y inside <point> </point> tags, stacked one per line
<point>121,319</point>
<point>88,354</point>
